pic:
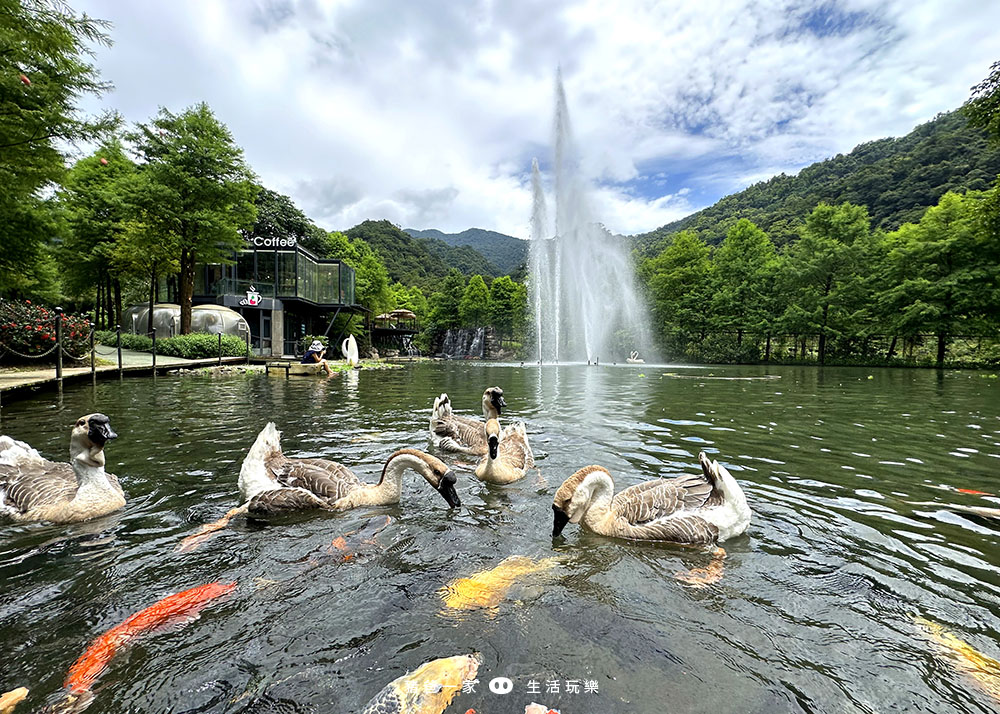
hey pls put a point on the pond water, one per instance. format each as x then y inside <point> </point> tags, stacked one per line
<point>815,611</point>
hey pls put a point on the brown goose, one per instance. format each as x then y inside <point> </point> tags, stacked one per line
<point>707,508</point>
<point>35,489</point>
<point>451,432</point>
<point>508,455</point>
<point>272,482</point>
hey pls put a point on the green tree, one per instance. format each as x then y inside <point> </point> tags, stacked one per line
<point>94,195</point>
<point>44,71</point>
<point>822,272</point>
<point>474,307</point>
<point>679,281</point>
<point>278,217</point>
<point>744,270</point>
<point>409,298</point>
<point>983,107</point>
<point>197,193</point>
<point>940,282</point>
<point>508,306</point>
<point>444,302</point>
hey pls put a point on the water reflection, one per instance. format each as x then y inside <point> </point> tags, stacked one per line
<point>815,609</point>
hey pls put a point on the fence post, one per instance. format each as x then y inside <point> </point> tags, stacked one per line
<point>248,347</point>
<point>59,316</point>
<point>93,356</point>
<point>220,348</point>
<point>119,331</point>
<point>154,351</point>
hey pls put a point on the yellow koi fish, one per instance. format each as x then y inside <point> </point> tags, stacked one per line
<point>982,670</point>
<point>488,588</point>
<point>429,689</point>
<point>11,699</point>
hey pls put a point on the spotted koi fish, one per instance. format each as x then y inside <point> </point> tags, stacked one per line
<point>429,689</point>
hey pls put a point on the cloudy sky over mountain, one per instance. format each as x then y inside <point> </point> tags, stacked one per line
<point>429,112</point>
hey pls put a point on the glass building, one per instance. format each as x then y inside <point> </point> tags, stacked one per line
<point>285,293</point>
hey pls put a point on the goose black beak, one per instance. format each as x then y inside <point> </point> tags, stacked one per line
<point>559,520</point>
<point>494,444</point>
<point>446,487</point>
<point>100,431</point>
<point>498,402</point>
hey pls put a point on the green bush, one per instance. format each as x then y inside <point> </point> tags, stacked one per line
<point>195,346</point>
<point>139,343</point>
<point>201,346</point>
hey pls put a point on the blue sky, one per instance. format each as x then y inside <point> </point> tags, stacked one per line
<point>429,113</point>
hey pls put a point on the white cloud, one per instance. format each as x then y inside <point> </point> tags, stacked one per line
<point>428,113</point>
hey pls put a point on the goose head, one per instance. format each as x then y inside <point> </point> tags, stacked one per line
<point>493,437</point>
<point>90,434</point>
<point>575,495</point>
<point>493,402</point>
<point>433,469</point>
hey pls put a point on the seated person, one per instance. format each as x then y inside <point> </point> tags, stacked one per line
<point>314,355</point>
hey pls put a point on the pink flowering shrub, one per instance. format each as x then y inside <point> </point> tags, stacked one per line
<point>27,329</point>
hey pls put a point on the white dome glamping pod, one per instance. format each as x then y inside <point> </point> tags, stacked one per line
<point>213,319</point>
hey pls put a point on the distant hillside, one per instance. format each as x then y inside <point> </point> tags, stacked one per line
<point>467,259</point>
<point>505,252</point>
<point>897,179</point>
<point>418,261</point>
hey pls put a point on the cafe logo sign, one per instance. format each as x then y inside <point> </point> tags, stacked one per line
<point>253,297</point>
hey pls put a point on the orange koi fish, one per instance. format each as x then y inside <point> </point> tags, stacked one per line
<point>170,609</point>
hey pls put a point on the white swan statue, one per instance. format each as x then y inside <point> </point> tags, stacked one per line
<point>350,349</point>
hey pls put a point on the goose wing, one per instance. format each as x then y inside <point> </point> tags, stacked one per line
<point>460,434</point>
<point>516,434</point>
<point>33,483</point>
<point>652,500</point>
<point>667,509</point>
<point>284,500</point>
<point>326,479</point>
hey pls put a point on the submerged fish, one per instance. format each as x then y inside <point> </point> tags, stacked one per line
<point>427,690</point>
<point>192,542</point>
<point>11,699</point>
<point>169,610</point>
<point>703,577</point>
<point>982,670</point>
<point>488,588</point>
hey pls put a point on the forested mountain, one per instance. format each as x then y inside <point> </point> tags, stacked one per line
<point>897,179</point>
<point>418,261</point>
<point>467,259</point>
<point>506,252</point>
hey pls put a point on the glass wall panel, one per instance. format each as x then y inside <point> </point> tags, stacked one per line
<point>244,272</point>
<point>265,272</point>
<point>328,282</point>
<point>286,273</point>
<point>307,278</point>
<point>213,281</point>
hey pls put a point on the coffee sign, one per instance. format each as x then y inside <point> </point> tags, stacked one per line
<point>272,242</point>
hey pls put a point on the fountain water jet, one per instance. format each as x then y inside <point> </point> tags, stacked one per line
<point>586,304</point>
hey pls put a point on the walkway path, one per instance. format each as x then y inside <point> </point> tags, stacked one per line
<point>132,361</point>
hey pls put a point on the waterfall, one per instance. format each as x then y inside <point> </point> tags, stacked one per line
<point>464,342</point>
